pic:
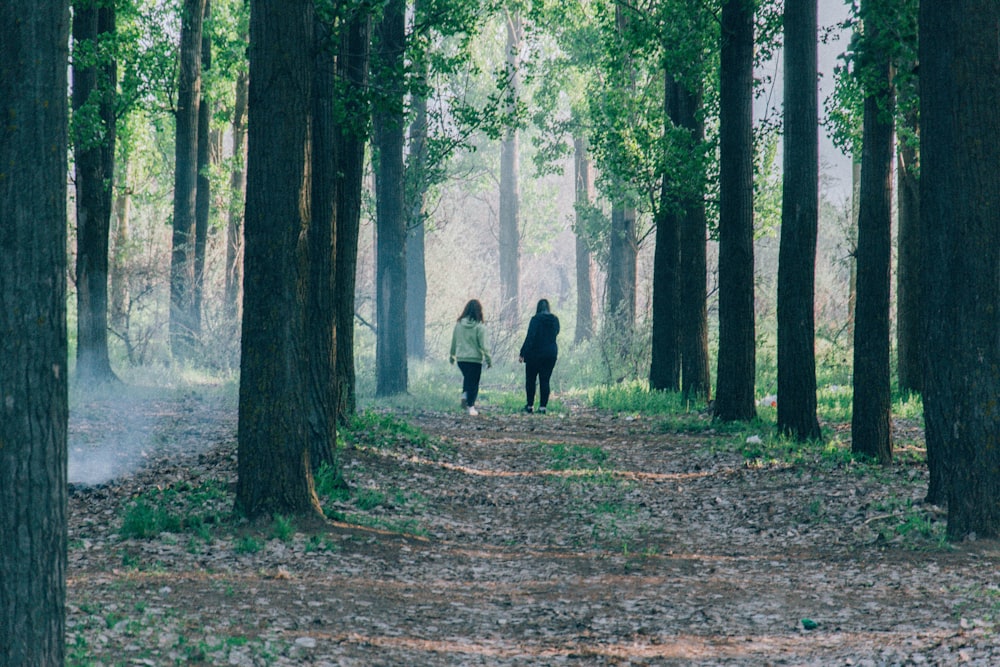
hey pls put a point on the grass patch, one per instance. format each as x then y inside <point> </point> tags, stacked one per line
<point>382,430</point>
<point>902,522</point>
<point>574,457</point>
<point>177,509</point>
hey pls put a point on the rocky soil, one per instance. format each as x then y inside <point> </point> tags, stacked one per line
<point>573,538</point>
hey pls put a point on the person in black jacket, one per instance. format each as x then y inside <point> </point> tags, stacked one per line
<point>538,354</point>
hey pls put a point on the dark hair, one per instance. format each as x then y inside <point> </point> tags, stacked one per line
<point>543,307</point>
<point>473,310</point>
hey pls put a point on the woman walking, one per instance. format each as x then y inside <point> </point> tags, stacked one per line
<point>538,354</point>
<point>468,348</point>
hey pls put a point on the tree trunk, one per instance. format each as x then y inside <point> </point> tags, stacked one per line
<point>510,192</point>
<point>734,399</point>
<point>185,180</point>
<point>696,379</point>
<point>390,346</point>
<point>584,180</point>
<point>960,196</point>
<point>119,253</point>
<point>664,369</point>
<point>203,197</point>
<point>33,347</point>
<point>274,472</point>
<point>352,65</point>
<point>665,366</point>
<point>909,270</point>
<point>237,188</point>
<point>870,426</point>
<point>416,193</point>
<point>799,224</point>
<point>321,241</point>
<point>622,254</point>
<point>94,80</point>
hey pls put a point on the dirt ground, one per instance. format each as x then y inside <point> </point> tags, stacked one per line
<point>574,538</point>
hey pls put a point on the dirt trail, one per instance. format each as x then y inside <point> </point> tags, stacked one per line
<point>577,538</point>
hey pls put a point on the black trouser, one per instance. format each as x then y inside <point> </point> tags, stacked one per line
<point>471,372</point>
<point>541,369</point>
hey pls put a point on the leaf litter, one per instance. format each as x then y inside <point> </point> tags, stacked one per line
<point>575,538</point>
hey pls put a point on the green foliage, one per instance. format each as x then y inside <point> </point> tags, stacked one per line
<point>181,508</point>
<point>574,457</point>
<point>282,528</point>
<point>383,430</point>
<point>904,522</point>
<point>636,397</point>
<point>247,544</point>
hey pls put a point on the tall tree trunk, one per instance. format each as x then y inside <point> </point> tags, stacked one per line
<point>352,65</point>
<point>120,248</point>
<point>799,224</point>
<point>734,399</point>
<point>237,188</point>
<point>203,197</point>
<point>274,472</point>
<point>321,241</point>
<point>871,432</point>
<point>185,179</point>
<point>33,347</point>
<point>584,179</point>
<point>416,193</point>
<point>960,197</point>
<point>510,192</point>
<point>693,307</point>
<point>390,345</point>
<point>94,80</point>
<point>665,366</point>
<point>909,269</point>
<point>622,254</point>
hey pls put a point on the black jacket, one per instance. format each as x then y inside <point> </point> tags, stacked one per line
<point>540,341</point>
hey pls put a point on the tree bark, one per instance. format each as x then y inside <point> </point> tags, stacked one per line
<point>696,381</point>
<point>622,254</point>
<point>584,179</point>
<point>203,196</point>
<point>871,433</point>
<point>352,65</point>
<point>119,279</point>
<point>416,194</point>
<point>33,347</point>
<point>664,368</point>
<point>734,400</point>
<point>94,81</point>
<point>390,346</point>
<point>799,225</point>
<point>274,472</point>
<point>909,270</point>
<point>321,241</point>
<point>237,188</point>
<point>510,191</point>
<point>185,179</point>
<point>960,196</point>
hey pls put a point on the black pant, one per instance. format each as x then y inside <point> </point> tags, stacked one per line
<point>471,372</point>
<point>541,369</point>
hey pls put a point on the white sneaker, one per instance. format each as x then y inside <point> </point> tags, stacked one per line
<point>473,412</point>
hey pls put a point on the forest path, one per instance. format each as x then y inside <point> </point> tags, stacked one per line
<point>576,538</point>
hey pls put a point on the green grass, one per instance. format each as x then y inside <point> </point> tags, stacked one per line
<point>912,525</point>
<point>177,509</point>
<point>574,457</point>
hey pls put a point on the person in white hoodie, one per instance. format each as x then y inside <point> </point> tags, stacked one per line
<point>468,349</point>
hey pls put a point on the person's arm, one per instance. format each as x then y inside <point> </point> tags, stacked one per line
<point>454,341</point>
<point>529,338</point>
<point>481,335</point>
